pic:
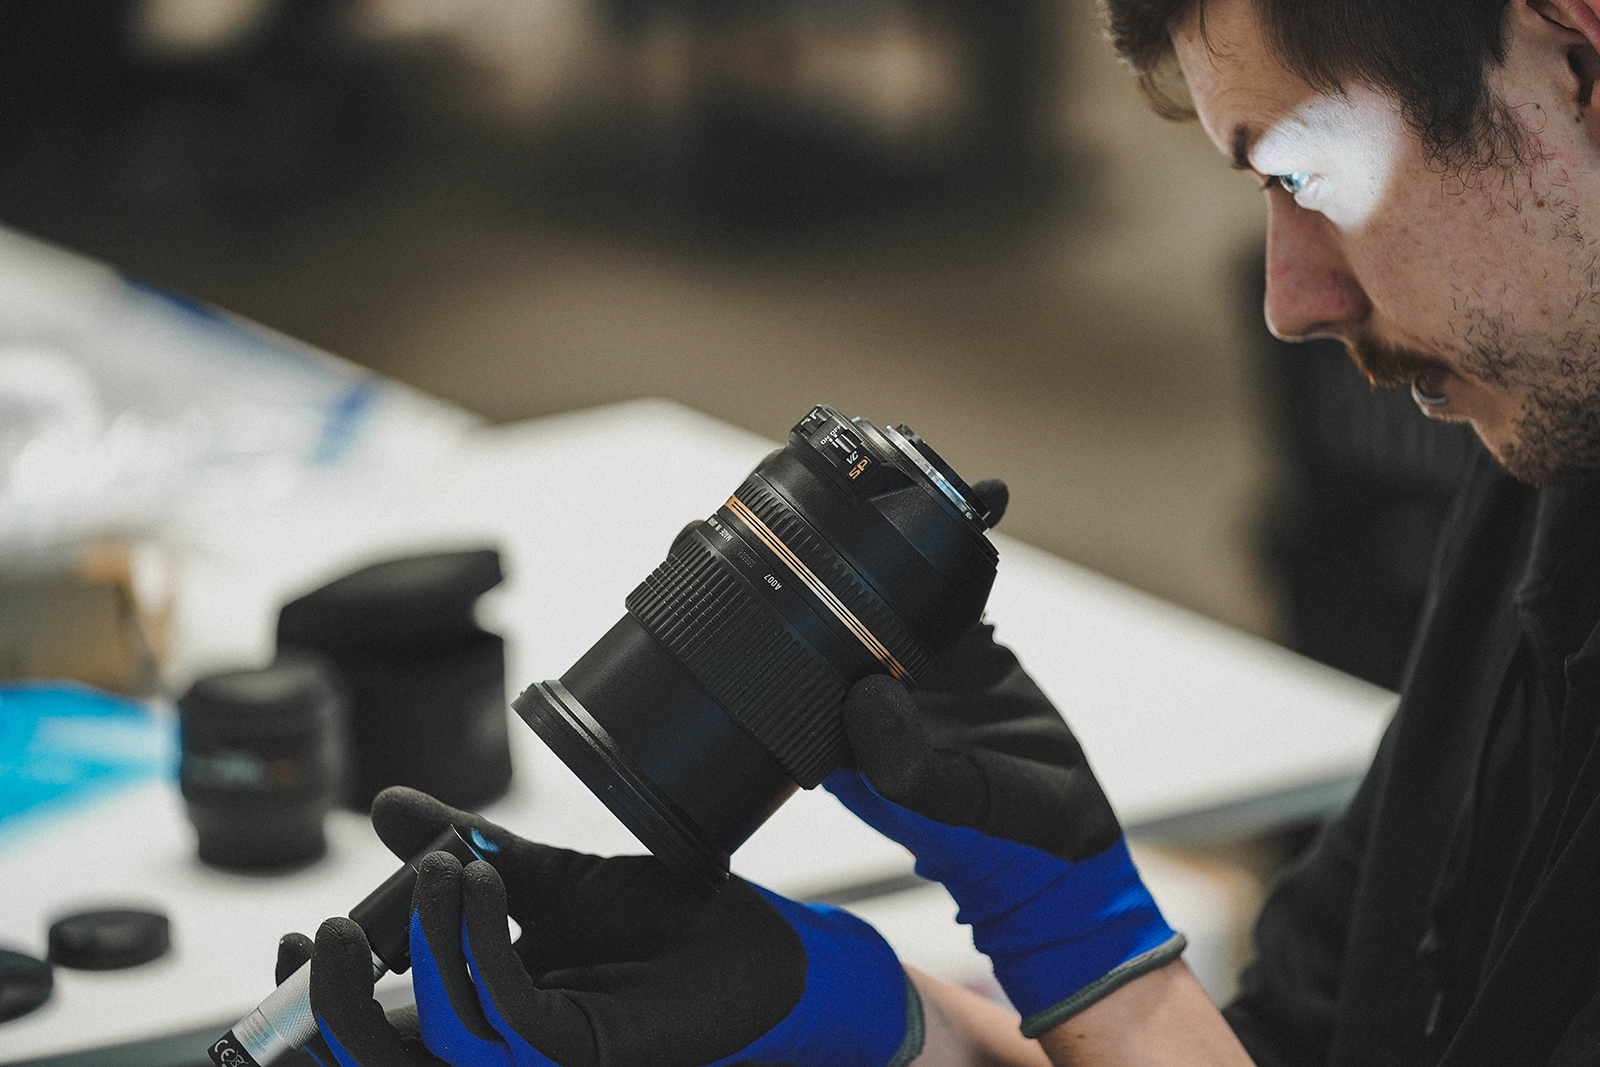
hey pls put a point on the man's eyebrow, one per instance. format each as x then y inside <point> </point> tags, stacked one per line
<point>1244,139</point>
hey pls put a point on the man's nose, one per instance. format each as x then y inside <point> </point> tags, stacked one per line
<point>1310,289</point>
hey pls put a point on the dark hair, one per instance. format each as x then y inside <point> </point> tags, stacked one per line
<point>1432,55</point>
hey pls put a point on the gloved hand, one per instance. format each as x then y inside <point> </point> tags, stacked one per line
<point>977,774</point>
<point>617,963</point>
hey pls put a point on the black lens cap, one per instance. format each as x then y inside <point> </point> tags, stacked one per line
<point>25,983</point>
<point>108,940</point>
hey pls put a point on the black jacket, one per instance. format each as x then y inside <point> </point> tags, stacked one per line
<point>1452,913</point>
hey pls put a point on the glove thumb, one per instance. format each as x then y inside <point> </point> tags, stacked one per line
<point>897,758</point>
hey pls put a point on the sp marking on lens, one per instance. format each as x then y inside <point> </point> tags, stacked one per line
<point>817,586</point>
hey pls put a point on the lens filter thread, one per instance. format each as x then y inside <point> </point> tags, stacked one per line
<point>564,724</point>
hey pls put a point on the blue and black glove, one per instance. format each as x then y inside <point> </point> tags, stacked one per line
<point>617,963</point>
<point>977,774</point>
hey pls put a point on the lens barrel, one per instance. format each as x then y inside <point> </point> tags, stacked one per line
<point>853,550</point>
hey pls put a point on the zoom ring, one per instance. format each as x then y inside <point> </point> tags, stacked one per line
<point>739,648</point>
<point>780,517</point>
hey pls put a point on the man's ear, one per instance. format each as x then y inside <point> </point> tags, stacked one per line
<point>1573,26</point>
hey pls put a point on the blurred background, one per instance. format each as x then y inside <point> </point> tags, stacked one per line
<point>958,214</point>
<point>952,213</point>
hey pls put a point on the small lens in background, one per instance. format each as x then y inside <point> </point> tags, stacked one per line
<point>261,763</point>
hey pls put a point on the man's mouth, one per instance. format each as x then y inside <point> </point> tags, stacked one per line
<point>1428,388</point>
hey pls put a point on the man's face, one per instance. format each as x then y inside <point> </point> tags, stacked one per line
<point>1480,290</point>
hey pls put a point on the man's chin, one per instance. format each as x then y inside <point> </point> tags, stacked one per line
<point>1540,467</point>
<point>1546,445</point>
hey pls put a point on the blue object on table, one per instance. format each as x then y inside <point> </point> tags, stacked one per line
<point>63,744</point>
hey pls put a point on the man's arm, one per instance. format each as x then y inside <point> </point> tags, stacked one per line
<point>1288,998</point>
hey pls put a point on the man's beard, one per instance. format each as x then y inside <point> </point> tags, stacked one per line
<point>1557,433</point>
<point>1557,438</point>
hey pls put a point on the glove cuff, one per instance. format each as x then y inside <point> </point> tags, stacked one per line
<point>1049,1018</point>
<point>1058,932</point>
<point>916,1029</point>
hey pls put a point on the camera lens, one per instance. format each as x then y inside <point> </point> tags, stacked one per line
<point>851,551</point>
<point>261,764</point>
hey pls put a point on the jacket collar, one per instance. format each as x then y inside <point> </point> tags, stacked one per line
<point>1558,597</point>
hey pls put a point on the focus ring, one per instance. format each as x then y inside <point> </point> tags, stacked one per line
<point>739,648</point>
<point>862,601</point>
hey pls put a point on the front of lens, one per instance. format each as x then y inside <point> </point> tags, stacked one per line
<point>851,551</point>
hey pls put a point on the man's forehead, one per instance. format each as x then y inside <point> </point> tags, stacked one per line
<point>1239,88</point>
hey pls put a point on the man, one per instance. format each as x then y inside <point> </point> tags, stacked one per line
<point>1428,171</point>
<point>1429,167</point>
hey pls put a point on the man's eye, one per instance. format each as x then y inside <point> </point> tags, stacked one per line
<point>1292,183</point>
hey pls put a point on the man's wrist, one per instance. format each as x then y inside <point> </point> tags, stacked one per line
<point>966,1029</point>
<point>1163,1018</point>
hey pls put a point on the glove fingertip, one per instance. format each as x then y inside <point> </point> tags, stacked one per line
<point>407,820</point>
<point>483,913</point>
<point>438,865</point>
<point>343,956</point>
<point>878,706</point>
<point>483,887</point>
<point>294,950</point>
<point>994,495</point>
<point>438,885</point>
<point>351,1025</point>
<point>504,980</point>
<point>293,954</point>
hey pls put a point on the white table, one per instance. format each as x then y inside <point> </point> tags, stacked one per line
<point>1192,727</point>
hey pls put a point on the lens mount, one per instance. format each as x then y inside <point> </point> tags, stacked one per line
<point>932,473</point>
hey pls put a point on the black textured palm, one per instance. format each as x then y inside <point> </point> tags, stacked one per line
<point>617,961</point>
<point>978,745</point>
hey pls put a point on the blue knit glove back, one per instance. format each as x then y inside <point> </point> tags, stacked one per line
<point>617,963</point>
<point>980,778</point>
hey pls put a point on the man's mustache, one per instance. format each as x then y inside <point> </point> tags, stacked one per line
<point>1387,366</point>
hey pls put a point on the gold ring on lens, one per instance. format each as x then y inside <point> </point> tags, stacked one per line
<point>817,586</point>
